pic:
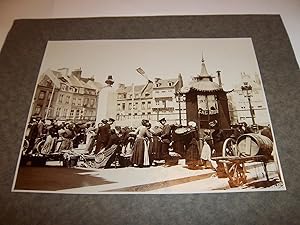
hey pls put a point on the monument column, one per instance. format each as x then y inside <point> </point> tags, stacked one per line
<point>107,102</point>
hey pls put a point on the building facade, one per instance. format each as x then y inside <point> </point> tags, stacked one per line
<point>151,101</point>
<point>240,108</point>
<point>65,97</point>
<point>167,101</point>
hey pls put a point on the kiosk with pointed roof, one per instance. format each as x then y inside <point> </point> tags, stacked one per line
<point>206,101</point>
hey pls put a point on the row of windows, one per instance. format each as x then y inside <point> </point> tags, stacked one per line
<point>164,91</point>
<point>124,95</point>
<point>77,90</point>
<point>64,112</point>
<point>144,105</point>
<point>122,106</point>
<point>133,116</point>
<point>78,101</point>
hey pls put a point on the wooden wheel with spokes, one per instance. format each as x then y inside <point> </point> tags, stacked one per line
<point>235,170</point>
<point>236,173</point>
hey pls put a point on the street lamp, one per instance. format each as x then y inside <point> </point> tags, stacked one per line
<point>247,91</point>
<point>178,95</point>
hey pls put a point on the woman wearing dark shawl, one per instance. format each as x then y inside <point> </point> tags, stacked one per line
<point>192,157</point>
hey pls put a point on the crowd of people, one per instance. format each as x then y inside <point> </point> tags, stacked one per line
<point>144,146</point>
<point>52,137</point>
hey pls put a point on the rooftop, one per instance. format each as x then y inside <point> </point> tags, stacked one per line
<point>58,77</point>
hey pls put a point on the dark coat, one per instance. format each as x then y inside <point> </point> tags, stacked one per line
<point>33,132</point>
<point>104,134</point>
<point>166,133</point>
<point>155,147</point>
<point>218,138</point>
<point>111,149</point>
<point>113,140</point>
<point>192,153</point>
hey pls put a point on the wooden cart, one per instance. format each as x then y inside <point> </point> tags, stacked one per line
<point>246,149</point>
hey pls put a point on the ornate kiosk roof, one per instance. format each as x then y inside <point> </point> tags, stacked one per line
<point>203,82</point>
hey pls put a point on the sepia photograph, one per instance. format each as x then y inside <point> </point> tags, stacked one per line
<point>149,116</point>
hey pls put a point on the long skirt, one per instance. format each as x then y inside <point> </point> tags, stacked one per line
<point>179,148</point>
<point>140,154</point>
<point>206,152</point>
<point>192,156</point>
<point>105,158</point>
<point>155,148</point>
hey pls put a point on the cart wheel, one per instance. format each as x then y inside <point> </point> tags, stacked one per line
<point>229,148</point>
<point>236,173</point>
<point>40,146</point>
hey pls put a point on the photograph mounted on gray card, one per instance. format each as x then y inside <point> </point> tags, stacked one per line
<point>149,116</point>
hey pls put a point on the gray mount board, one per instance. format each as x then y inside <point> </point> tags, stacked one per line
<point>20,61</point>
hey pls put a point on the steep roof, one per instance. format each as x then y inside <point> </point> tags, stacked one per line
<point>137,88</point>
<point>163,83</point>
<point>202,86</point>
<point>53,76</point>
<point>202,82</point>
<point>70,80</point>
<point>203,72</point>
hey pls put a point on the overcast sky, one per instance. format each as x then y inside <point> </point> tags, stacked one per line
<point>164,58</point>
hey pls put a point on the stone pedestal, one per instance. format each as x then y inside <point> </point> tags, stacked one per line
<point>107,102</point>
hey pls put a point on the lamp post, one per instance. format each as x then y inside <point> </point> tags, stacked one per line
<point>178,95</point>
<point>247,91</point>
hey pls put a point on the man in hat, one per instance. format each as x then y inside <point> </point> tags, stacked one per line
<point>165,138</point>
<point>109,80</point>
<point>33,134</point>
<point>103,134</point>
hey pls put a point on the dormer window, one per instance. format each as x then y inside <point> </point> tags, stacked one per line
<point>170,84</point>
<point>158,84</point>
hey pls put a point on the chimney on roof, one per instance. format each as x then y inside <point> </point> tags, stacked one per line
<point>64,71</point>
<point>156,79</point>
<point>219,78</point>
<point>77,73</point>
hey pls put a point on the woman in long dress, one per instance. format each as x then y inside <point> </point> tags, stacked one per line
<point>206,154</point>
<point>192,157</point>
<point>67,136</point>
<point>50,140</point>
<point>155,143</point>
<point>140,156</point>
